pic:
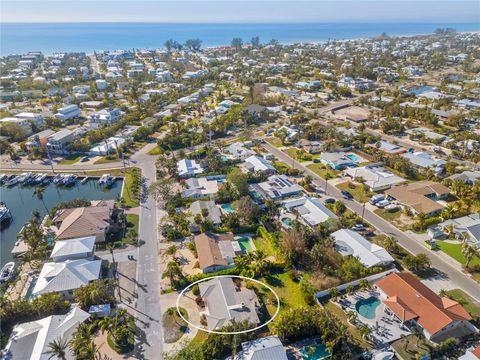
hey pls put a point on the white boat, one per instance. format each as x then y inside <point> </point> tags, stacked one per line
<point>106,180</point>
<point>58,178</point>
<point>84,180</point>
<point>69,180</point>
<point>12,181</point>
<point>7,272</point>
<point>3,178</point>
<point>4,212</point>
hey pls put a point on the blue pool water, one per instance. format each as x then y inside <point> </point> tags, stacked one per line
<point>287,221</point>
<point>354,158</point>
<point>367,307</point>
<point>421,89</point>
<point>314,352</point>
<point>227,208</point>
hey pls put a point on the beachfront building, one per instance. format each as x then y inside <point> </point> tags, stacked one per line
<point>414,304</point>
<point>68,112</point>
<point>225,303</point>
<point>31,340</point>
<point>351,243</point>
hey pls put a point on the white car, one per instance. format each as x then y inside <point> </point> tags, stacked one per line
<point>382,204</point>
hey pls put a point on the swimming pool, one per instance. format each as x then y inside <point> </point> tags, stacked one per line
<point>227,208</point>
<point>367,307</point>
<point>245,244</point>
<point>314,352</point>
<point>354,158</point>
<point>31,286</point>
<point>287,221</point>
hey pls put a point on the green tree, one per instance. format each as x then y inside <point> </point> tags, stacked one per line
<point>57,349</point>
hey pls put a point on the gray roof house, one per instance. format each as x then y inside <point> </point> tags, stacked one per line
<point>30,340</point>
<point>266,348</point>
<point>277,187</point>
<point>225,303</point>
<point>466,176</point>
<point>376,176</point>
<point>260,164</point>
<point>424,160</point>
<point>214,214</point>
<point>71,249</point>
<point>310,209</point>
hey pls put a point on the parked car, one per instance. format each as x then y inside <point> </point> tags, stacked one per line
<point>329,201</point>
<point>431,244</point>
<point>84,158</point>
<point>376,198</point>
<point>391,208</point>
<point>382,204</point>
<point>316,161</point>
<point>347,195</point>
<point>358,227</point>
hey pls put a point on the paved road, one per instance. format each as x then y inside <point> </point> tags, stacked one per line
<point>447,269</point>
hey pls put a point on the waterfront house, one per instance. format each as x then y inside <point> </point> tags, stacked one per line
<point>57,142</point>
<point>107,147</point>
<point>94,220</point>
<point>215,251</point>
<point>188,168</point>
<point>351,243</point>
<point>39,140</point>
<point>225,303</point>
<point>68,112</point>
<point>72,249</point>
<point>66,276</point>
<point>414,304</point>
<point>265,348</point>
<point>375,176</point>
<point>420,197</point>
<point>311,210</point>
<point>31,340</point>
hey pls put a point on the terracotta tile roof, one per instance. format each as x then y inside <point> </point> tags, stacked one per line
<point>208,251</point>
<point>408,296</point>
<point>476,352</point>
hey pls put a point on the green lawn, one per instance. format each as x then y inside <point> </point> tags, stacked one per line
<point>131,233</point>
<point>70,160</point>
<point>106,160</point>
<point>455,251</point>
<point>304,156</point>
<point>155,151</point>
<point>131,188</point>
<point>409,349</point>
<point>281,167</point>
<point>274,141</point>
<point>388,215</point>
<point>357,191</point>
<point>472,306</point>
<point>322,170</point>
<point>264,245</point>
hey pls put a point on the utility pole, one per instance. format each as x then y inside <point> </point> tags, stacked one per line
<point>50,159</point>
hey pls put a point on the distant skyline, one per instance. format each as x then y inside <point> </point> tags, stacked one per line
<point>239,11</point>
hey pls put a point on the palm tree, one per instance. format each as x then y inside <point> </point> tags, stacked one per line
<point>39,191</point>
<point>352,317</point>
<point>58,348</point>
<point>173,272</point>
<point>365,331</point>
<point>468,251</point>
<point>417,334</point>
<point>334,292</point>
<point>328,176</point>
<point>421,220</point>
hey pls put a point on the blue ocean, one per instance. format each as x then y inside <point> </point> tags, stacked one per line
<point>19,38</point>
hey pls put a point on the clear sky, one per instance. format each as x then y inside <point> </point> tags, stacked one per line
<point>240,11</point>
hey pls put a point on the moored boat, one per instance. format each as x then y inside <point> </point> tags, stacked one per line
<point>7,272</point>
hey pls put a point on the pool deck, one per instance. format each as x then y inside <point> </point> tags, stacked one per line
<point>386,329</point>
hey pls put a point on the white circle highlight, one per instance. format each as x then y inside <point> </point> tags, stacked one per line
<point>228,332</point>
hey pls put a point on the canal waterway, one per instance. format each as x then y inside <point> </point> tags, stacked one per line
<point>22,202</point>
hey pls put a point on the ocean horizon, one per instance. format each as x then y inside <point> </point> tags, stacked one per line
<point>19,38</point>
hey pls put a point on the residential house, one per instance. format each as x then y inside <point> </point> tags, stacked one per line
<point>258,164</point>
<point>276,187</point>
<point>471,354</point>
<point>238,151</point>
<point>73,249</point>
<point>422,160</point>
<point>31,340</point>
<point>108,146</point>
<point>466,176</point>
<point>201,206</point>
<point>468,225</point>
<point>202,187</point>
<point>35,119</point>
<point>312,147</point>
<point>266,348</point>
<point>406,298</point>
<point>215,251</point>
<point>68,112</point>
<point>104,117</point>
<point>375,176</point>
<point>95,220</point>
<point>389,148</point>
<point>336,160</point>
<point>310,209</point>
<point>57,143</point>
<point>420,197</point>
<point>188,168</point>
<point>225,303</point>
<point>22,123</point>
<point>351,243</point>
